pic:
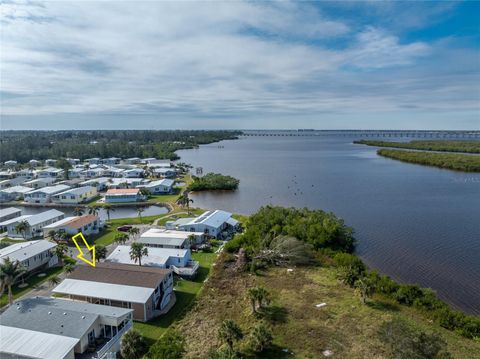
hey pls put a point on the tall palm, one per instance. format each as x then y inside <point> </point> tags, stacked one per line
<point>78,211</point>
<point>137,252</point>
<point>60,251</point>
<point>69,268</point>
<point>100,252</point>
<point>52,235</point>
<point>22,227</point>
<point>140,210</point>
<point>364,288</point>
<point>9,274</point>
<point>94,209</point>
<point>108,208</point>
<point>185,201</point>
<point>252,295</point>
<point>230,332</point>
<point>134,231</point>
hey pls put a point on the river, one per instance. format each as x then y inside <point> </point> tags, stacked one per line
<point>417,224</point>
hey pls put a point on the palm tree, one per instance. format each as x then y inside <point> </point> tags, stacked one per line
<point>53,281</point>
<point>100,252</point>
<point>78,211</point>
<point>9,273</point>
<point>94,209</point>
<point>52,235</point>
<point>262,297</point>
<point>133,345</point>
<point>192,240</point>
<point>144,192</point>
<point>133,232</point>
<point>262,338</point>
<point>185,201</point>
<point>108,208</point>
<point>230,332</point>
<point>22,227</point>
<point>69,268</point>
<point>364,288</point>
<point>121,238</point>
<point>137,251</point>
<point>60,251</point>
<point>140,210</point>
<point>252,294</point>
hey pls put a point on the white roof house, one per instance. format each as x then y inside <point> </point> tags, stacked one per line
<point>133,172</point>
<point>45,194</point>
<point>157,257</point>
<point>212,223</point>
<point>9,213</point>
<point>13,193</point>
<point>75,195</point>
<point>162,186</point>
<point>39,182</point>
<point>165,238</point>
<point>50,172</point>
<point>53,328</point>
<point>32,254</point>
<point>11,163</point>
<point>101,183</point>
<point>35,223</point>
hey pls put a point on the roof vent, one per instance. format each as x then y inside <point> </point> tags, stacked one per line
<point>49,313</point>
<point>83,317</point>
<point>64,313</point>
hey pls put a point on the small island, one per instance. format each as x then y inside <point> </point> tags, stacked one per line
<point>214,181</point>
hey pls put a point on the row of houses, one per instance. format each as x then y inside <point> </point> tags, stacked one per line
<point>95,160</point>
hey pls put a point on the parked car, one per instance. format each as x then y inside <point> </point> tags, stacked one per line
<point>124,228</point>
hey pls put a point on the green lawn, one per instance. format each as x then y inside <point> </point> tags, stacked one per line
<point>186,292</point>
<point>33,281</point>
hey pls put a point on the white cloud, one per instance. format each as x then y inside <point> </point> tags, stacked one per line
<point>209,59</point>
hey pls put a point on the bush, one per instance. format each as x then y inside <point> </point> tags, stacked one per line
<point>213,181</point>
<point>133,345</point>
<point>170,346</point>
<point>407,294</point>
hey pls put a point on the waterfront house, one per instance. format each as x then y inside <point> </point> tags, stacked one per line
<point>55,328</point>
<point>94,172</point>
<point>166,238</point>
<point>35,223</point>
<point>127,182</point>
<point>133,173</point>
<point>179,260</point>
<point>45,194</point>
<point>88,224</point>
<point>121,195</point>
<point>14,193</point>
<point>75,195</point>
<point>5,183</point>
<point>10,163</point>
<point>146,290</point>
<point>39,182</point>
<point>159,163</point>
<point>94,161</point>
<point>34,163</point>
<point>51,172</point>
<point>100,183</point>
<point>50,162</point>
<point>163,186</point>
<point>164,172</point>
<point>7,214</point>
<point>33,255</point>
<point>216,224</point>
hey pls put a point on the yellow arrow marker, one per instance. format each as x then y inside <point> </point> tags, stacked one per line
<point>89,248</point>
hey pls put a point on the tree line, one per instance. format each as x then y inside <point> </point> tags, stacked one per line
<point>451,161</point>
<point>213,181</point>
<point>22,146</point>
<point>428,145</point>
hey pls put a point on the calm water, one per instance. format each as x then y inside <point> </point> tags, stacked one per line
<point>119,212</point>
<point>418,224</point>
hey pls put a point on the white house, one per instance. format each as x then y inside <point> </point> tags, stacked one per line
<point>158,257</point>
<point>54,328</point>
<point>14,193</point>
<point>34,163</point>
<point>212,223</point>
<point>164,172</point>
<point>113,172</point>
<point>163,186</point>
<point>35,224</point>
<point>93,161</point>
<point>166,238</point>
<point>26,174</point>
<point>133,173</point>
<point>45,194</point>
<point>73,161</point>
<point>88,225</point>
<point>101,183</point>
<point>39,182</point>
<point>9,213</point>
<point>10,163</point>
<point>75,195</point>
<point>127,182</point>
<point>94,172</point>
<point>123,195</point>
<point>33,255</point>
<point>111,161</point>
<point>50,162</point>
<point>51,172</point>
<point>148,160</point>
<point>7,174</point>
<point>133,160</point>
<point>76,172</point>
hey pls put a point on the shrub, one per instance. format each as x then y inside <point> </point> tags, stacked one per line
<point>169,346</point>
<point>133,345</point>
<point>407,294</point>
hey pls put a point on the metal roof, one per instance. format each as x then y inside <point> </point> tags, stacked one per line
<point>40,345</point>
<point>17,189</point>
<point>166,237</point>
<point>163,182</point>
<point>77,191</point>
<point>210,218</point>
<point>157,257</point>
<point>44,216</point>
<point>25,250</point>
<point>8,211</point>
<point>118,292</point>
<point>51,189</point>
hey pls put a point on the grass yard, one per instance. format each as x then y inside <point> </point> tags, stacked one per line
<point>344,326</point>
<point>33,281</point>
<point>186,292</point>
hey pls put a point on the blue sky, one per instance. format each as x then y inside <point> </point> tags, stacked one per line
<point>168,65</point>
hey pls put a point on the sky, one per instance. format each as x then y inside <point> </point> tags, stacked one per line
<point>239,65</point>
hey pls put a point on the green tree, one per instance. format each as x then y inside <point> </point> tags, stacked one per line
<point>144,192</point>
<point>108,208</point>
<point>9,274</point>
<point>261,338</point>
<point>94,209</point>
<point>133,345</point>
<point>364,288</point>
<point>170,346</point>
<point>140,210</point>
<point>78,211</point>
<point>230,333</point>
<point>52,235</point>
<point>252,295</point>
<point>100,252</point>
<point>54,281</point>
<point>69,268</point>
<point>121,238</point>
<point>60,251</point>
<point>137,252</point>
<point>134,231</point>
<point>22,227</point>
<point>184,201</point>
<point>65,166</point>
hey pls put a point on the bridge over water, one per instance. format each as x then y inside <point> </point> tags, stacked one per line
<point>460,134</point>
